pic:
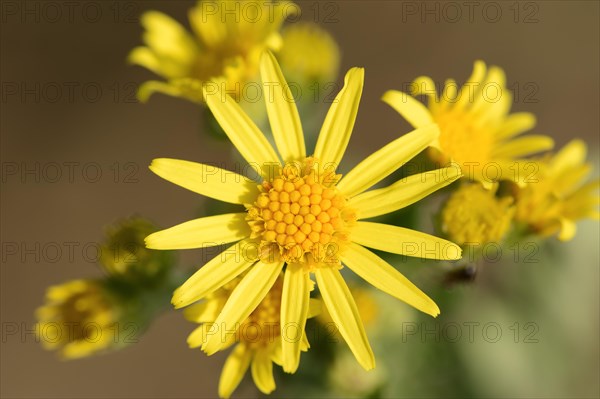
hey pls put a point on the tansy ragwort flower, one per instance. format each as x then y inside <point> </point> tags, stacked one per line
<point>228,38</point>
<point>475,216</point>
<point>558,196</point>
<point>303,215</point>
<point>309,55</point>
<point>476,130</point>
<point>258,337</point>
<point>80,318</point>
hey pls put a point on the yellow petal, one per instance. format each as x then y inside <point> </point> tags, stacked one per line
<point>207,311</point>
<point>450,91</point>
<point>145,57</point>
<point>217,272</point>
<point>570,156</point>
<point>467,93</point>
<point>385,161</point>
<point>147,89</point>
<point>523,146</point>
<point>409,107</point>
<point>402,241</point>
<point>381,275</point>
<point>304,344</point>
<point>262,371</point>
<point>234,369</point>
<point>567,182</point>
<point>424,85</point>
<point>495,106</point>
<point>282,110</point>
<point>79,349</point>
<point>197,337</point>
<point>168,39</point>
<point>207,180</point>
<point>404,192</point>
<point>515,124</point>
<point>584,197</point>
<point>276,353</point>
<point>240,129</point>
<point>208,23</point>
<point>314,308</point>
<point>294,311</point>
<point>484,97</point>
<point>243,300</point>
<point>201,233</point>
<point>339,122</point>
<point>567,231</point>
<point>343,311</point>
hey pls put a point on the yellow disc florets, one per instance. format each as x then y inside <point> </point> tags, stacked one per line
<point>300,217</point>
<point>475,216</point>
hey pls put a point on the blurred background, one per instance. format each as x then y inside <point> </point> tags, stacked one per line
<point>68,107</point>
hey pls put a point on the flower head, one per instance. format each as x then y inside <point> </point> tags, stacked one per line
<point>558,196</point>
<point>124,254</point>
<point>301,214</point>
<point>228,38</point>
<point>474,215</point>
<point>476,130</point>
<point>80,318</point>
<point>258,337</point>
<point>309,54</point>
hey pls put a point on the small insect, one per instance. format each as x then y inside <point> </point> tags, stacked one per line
<point>460,275</point>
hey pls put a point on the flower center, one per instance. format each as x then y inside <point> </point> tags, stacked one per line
<point>300,217</point>
<point>463,137</point>
<point>475,216</point>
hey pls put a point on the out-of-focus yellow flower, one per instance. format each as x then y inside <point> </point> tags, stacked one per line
<point>303,214</point>
<point>476,130</point>
<point>227,41</point>
<point>258,337</point>
<point>80,318</point>
<point>309,55</point>
<point>557,197</point>
<point>474,215</point>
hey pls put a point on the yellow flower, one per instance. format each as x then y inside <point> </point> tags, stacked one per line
<point>476,130</point>
<point>258,337</point>
<point>309,54</point>
<point>228,38</point>
<point>475,216</point>
<point>557,196</point>
<point>79,319</point>
<point>303,214</point>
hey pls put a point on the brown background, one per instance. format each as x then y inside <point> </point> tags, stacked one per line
<point>557,56</point>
